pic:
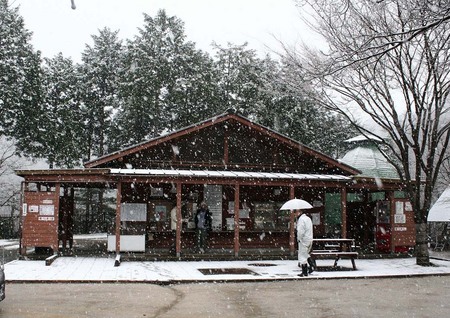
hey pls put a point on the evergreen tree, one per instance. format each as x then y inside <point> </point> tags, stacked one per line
<point>240,82</point>
<point>291,110</point>
<point>24,130</point>
<point>60,133</point>
<point>20,91</point>
<point>195,94</point>
<point>100,70</point>
<point>153,67</point>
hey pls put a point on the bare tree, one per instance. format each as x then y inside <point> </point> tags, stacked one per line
<point>426,15</point>
<point>8,162</point>
<point>388,61</point>
<point>10,185</point>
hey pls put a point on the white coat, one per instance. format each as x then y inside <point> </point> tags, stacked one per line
<point>173,219</point>
<point>304,238</point>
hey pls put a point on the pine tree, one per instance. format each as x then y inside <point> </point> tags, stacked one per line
<point>195,94</point>
<point>60,135</point>
<point>20,91</point>
<point>239,83</point>
<point>102,64</point>
<point>291,110</point>
<point>151,73</point>
<point>100,72</point>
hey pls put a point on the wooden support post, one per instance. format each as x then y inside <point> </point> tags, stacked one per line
<point>292,224</point>
<point>391,198</point>
<point>226,146</point>
<point>118,202</point>
<point>344,212</point>
<point>179,222</point>
<point>236,220</point>
<point>72,212</point>
<point>23,210</point>
<point>55,244</point>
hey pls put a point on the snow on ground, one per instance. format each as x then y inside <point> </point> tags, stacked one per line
<point>92,269</point>
<point>102,269</point>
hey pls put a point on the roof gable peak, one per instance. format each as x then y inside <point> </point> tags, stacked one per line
<point>215,124</point>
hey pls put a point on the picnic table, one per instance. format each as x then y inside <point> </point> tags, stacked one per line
<point>334,248</point>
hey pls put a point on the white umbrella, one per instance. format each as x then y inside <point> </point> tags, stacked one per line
<point>296,204</point>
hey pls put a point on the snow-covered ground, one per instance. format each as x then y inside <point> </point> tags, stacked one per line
<point>102,269</point>
<point>93,269</point>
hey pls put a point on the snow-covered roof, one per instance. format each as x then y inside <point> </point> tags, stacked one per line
<point>440,211</point>
<point>371,162</point>
<point>363,138</point>
<point>228,174</point>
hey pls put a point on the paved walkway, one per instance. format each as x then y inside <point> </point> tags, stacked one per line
<point>102,269</point>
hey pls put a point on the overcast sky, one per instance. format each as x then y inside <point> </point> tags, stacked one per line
<point>58,28</point>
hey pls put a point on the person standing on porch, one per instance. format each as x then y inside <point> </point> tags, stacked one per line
<point>304,238</point>
<point>203,224</point>
<point>173,228</point>
<point>173,219</point>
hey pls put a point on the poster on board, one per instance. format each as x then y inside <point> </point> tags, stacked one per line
<point>46,209</point>
<point>213,198</point>
<point>133,212</point>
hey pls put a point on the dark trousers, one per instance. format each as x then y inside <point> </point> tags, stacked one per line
<point>202,235</point>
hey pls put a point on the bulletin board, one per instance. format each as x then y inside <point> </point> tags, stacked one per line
<point>133,212</point>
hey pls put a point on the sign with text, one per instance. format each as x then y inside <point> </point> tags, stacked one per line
<point>213,198</point>
<point>46,210</point>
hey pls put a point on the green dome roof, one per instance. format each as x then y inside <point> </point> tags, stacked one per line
<point>367,158</point>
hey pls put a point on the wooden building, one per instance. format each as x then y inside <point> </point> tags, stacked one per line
<point>242,170</point>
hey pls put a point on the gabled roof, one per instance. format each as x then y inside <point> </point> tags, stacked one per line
<point>228,116</point>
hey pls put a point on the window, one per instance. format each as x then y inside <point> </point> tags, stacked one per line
<point>268,216</point>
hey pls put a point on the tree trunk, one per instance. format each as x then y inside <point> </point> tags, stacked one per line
<point>422,255</point>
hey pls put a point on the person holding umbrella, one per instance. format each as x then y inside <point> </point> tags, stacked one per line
<point>304,233</point>
<point>304,238</point>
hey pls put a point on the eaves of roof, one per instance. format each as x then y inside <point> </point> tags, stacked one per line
<point>172,173</point>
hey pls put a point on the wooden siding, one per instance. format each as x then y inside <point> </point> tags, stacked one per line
<point>40,230</point>
<point>403,234</point>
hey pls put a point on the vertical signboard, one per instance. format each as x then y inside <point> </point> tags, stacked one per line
<point>213,198</point>
<point>40,220</point>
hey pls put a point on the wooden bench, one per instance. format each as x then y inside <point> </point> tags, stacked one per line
<point>336,255</point>
<point>334,248</point>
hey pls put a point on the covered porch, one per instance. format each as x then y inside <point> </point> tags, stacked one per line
<point>245,208</point>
